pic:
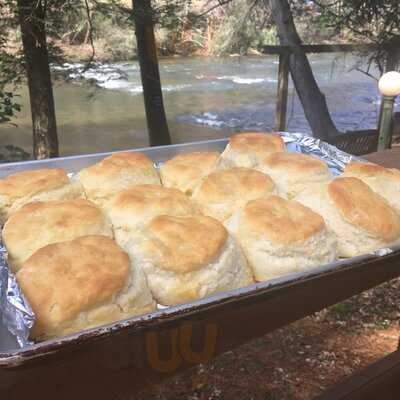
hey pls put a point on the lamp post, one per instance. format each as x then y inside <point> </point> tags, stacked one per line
<point>389,87</point>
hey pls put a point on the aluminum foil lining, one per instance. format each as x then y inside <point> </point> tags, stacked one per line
<point>15,311</point>
<point>334,158</point>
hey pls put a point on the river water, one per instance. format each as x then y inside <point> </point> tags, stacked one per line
<point>204,98</point>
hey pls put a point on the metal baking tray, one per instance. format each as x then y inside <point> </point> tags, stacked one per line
<point>116,360</point>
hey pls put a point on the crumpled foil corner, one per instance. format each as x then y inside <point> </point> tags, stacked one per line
<point>15,311</point>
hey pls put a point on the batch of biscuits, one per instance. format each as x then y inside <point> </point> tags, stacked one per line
<point>120,236</point>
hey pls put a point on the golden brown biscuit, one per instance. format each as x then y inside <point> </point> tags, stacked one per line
<point>187,258</point>
<point>132,208</point>
<point>82,283</point>
<point>359,206</point>
<point>294,172</point>
<point>34,185</point>
<point>361,220</point>
<point>280,237</point>
<point>185,171</point>
<point>38,224</point>
<point>384,181</point>
<point>224,191</point>
<point>119,171</point>
<point>248,149</point>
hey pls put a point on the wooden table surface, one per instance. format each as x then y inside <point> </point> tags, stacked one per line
<point>387,158</point>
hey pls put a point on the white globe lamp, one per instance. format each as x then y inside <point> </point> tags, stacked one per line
<point>389,87</point>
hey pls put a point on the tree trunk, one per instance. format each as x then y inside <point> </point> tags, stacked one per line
<point>32,16</point>
<point>313,101</point>
<point>147,53</point>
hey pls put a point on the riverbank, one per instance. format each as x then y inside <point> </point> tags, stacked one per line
<point>102,109</point>
<point>83,52</point>
<point>242,28</point>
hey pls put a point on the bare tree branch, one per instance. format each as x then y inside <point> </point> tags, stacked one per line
<point>358,69</point>
<point>220,3</point>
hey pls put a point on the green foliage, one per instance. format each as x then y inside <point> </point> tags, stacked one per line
<point>178,28</point>
<point>10,72</point>
<point>8,78</point>
<point>114,39</point>
<point>108,24</point>
<point>64,17</point>
<point>383,325</point>
<point>8,106</point>
<point>375,21</point>
<point>342,309</point>
<point>245,25</point>
<point>12,153</point>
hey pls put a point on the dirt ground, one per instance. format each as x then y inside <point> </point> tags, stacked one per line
<point>301,360</point>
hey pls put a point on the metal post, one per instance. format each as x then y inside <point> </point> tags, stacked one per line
<point>389,87</point>
<point>386,123</point>
<point>283,86</point>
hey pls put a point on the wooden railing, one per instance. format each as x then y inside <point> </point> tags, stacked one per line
<point>330,48</point>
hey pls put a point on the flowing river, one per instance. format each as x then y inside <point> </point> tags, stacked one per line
<point>204,98</point>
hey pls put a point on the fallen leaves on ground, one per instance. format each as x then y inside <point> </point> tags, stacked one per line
<point>300,360</point>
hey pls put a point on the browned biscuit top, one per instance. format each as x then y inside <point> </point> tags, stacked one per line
<point>281,221</point>
<point>28,183</point>
<point>362,169</point>
<point>233,183</point>
<point>184,244</point>
<point>61,280</point>
<point>362,207</point>
<point>256,142</point>
<point>296,162</point>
